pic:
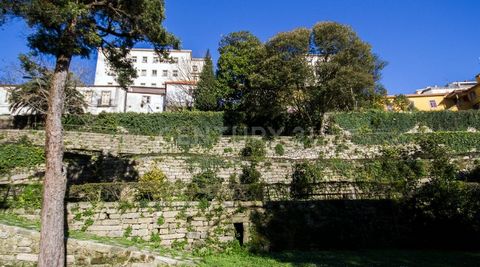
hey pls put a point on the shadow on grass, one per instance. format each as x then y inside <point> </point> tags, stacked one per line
<point>394,258</point>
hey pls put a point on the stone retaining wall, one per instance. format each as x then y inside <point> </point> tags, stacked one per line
<point>176,223</point>
<point>326,147</point>
<point>20,247</point>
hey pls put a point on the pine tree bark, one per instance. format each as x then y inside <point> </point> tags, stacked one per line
<point>52,238</point>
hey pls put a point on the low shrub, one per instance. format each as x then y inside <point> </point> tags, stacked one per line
<point>304,175</point>
<point>254,150</point>
<point>205,185</point>
<point>152,185</point>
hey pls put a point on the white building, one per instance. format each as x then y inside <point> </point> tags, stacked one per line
<point>175,76</point>
<point>160,85</point>
<point>4,104</point>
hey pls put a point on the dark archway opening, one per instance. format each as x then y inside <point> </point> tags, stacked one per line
<point>239,232</point>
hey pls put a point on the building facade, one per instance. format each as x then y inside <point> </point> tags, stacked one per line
<point>454,96</point>
<point>176,76</point>
<point>162,84</point>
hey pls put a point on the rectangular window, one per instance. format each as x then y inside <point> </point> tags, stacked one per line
<point>175,59</point>
<point>134,59</point>
<point>154,73</point>
<point>154,84</point>
<point>144,59</point>
<point>165,73</point>
<point>143,73</point>
<point>473,95</point>
<point>146,99</point>
<point>105,98</point>
<point>175,73</point>
<point>88,97</point>
<point>195,68</point>
<point>142,84</point>
<point>156,60</point>
<point>433,104</point>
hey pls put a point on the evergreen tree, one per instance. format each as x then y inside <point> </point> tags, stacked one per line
<point>64,29</point>
<point>206,94</point>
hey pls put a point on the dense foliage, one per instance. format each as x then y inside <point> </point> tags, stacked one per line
<point>185,128</point>
<point>207,94</point>
<point>400,122</point>
<point>18,155</point>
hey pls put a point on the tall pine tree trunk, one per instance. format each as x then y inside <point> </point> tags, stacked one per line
<point>52,238</point>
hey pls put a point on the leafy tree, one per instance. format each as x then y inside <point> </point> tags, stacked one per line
<point>239,54</point>
<point>401,103</point>
<point>280,80</point>
<point>206,94</point>
<point>346,72</point>
<point>64,29</point>
<point>32,96</point>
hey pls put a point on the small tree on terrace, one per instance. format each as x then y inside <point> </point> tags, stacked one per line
<point>64,29</point>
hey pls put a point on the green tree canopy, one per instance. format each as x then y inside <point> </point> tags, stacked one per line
<point>239,54</point>
<point>206,94</point>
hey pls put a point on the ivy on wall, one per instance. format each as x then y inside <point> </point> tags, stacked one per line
<point>21,154</point>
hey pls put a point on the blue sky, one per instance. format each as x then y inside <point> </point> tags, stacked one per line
<point>425,42</point>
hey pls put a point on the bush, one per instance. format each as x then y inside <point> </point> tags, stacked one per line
<point>204,186</point>
<point>304,175</point>
<point>279,150</point>
<point>254,150</point>
<point>250,179</point>
<point>152,185</point>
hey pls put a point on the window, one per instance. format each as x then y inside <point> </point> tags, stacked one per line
<point>165,73</point>
<point>175,59</point>
<point>105,98</point>
<point>134,59</point>
<point>433,104</point>
<point>110,83</point>
<point>195,68</point>
<point>473,95</point>
<point>145,101</point>
<point>156,60</point>
<point>175,73</point>
<point>154,73</point>
<point>88,96</point>
<point>142,84</point>
<point>144,59</point>
<point>154,84</point>
<point>143,73</point>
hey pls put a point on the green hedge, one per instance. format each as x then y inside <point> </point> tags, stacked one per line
<point>460,142</point>
<point>186,128</point>
<point>380,121</point>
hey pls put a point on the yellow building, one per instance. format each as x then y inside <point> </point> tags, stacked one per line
<point>461,99</point>
<point>466,99</point>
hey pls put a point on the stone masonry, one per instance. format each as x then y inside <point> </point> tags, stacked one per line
<point>20,247</point>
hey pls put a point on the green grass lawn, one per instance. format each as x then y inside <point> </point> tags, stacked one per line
<point>393,258</point>
<point>241,258</point>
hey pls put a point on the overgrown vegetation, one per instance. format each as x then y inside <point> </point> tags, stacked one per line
<point>184,128</point>
<point>18,155</point>
<point>401,122</point>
